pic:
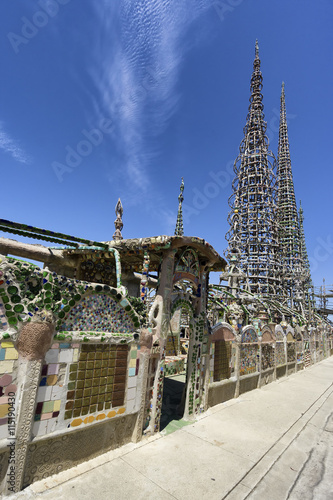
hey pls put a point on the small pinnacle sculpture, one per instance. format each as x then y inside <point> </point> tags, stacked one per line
<point>253,226</point>
<point>179,231</point>
<point>118,223</point>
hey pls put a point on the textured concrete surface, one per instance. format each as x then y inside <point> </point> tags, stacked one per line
<point>272,443</point>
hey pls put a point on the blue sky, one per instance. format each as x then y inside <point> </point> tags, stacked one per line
<point>101,99</point>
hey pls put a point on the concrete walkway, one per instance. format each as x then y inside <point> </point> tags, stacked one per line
<point>271,443</point>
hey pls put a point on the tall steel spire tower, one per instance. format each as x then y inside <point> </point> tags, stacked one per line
<point>254,228</point>
<point>289,235</point>
<point>307,284</point>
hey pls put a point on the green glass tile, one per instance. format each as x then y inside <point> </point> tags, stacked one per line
<point>100,406</point>
<point>95,390</point>
<point>82,365</point>
<point>78,393</point>
<point>93,399</point>
<point>102,389</point>
<point>98,355</point>
<point>98,363</point>
<point>89,365</point>
<point>95,382</point>
<point>104,372</point>
<point>78,403</point>
<point>107,405</point>
<point>87,392</point>
<point>73,376</point>
<point>104,363</point>
<point>73,367</point>
<point>81,375</point>
<point>84,410</point>
<point>68,414</point>
<point>81,383</point>
<point>92,408</point>
<point>71,386</point>
<point>83,355</point>
<point>109,387</point>
<point>76,412</point>
<point>91,356</point>
<point>85,401</point>
<point>102,381</point>
<point>88,382</point>
<point>108,396</point>
<point>69,405</point>
<point>97,373</point>
<point>89,374</point>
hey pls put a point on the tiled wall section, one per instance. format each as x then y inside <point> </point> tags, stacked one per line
<point>224,360</point>
<point>104,315</point>
<point>249,354</point>
<point>280,354</point>
<point>76,386</point>
<point>3,318</point>
<point>8,355</point>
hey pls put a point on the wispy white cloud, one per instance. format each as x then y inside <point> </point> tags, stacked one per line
<point>12,147</point>
<point>137,62</point>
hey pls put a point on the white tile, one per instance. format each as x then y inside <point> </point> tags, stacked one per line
<point>51,356</point>
<point>66,356</point>
<point>132,381</point>
<point>57,392</point>
<point>131,393</point>
<point>44,393</point>
<point>40,428</point>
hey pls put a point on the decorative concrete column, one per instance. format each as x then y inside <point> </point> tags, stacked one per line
<point>34,340</point>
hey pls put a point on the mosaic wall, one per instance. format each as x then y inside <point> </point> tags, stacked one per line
<point>291,352</point>
<point>8,355</point>
<point>99,313</point>
<point>98,380</point>
<point>267,356</point>
<point>3,318</point>
<point>280,354</point>
<point>249,359</point>
<point>224,360</point>
<point>78,381</point>
<point>249,336</point>
<point>175,365</point>
<point>299,351</point>
<point>172,345</point>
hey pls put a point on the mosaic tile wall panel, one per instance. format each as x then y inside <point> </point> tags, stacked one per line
<point>249,336</point>
<point>98,380</point>
<point>153,362</point>
<point>52,387</point>
<point>299,351</point>
<point>249,354</point>
<point>3,318</point>
<point>98,313</point>
<point>223,360</point>
<point>172,345</point>
<point>175,364</point>
<point>291,352</point>
<point>8,355</point>
<point>267,356</point>
<point>280,354</point>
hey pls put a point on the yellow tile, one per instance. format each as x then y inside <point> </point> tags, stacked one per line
<point>121,410</point>
<point>75,355</point>
<point>76,422</point>
<point>57,404</point>
<point>11,353</point>
<point>112,414</point>
<point>89,420</point>
<point>132,363</point>
<point>101,416</point>
<point>4,410</point>
<point>6,366</point>
<point>7,344</point>
<point>51,379</point>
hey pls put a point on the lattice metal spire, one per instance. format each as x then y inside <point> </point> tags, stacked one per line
<point>287,212</point>
<point>307,284</point>
<point>179,231</point>
<point>254,229</point>
<point>118,223</point>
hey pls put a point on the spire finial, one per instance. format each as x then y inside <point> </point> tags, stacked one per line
<point>257,48</point>
<point>118,223</point>
<point>179,231</point>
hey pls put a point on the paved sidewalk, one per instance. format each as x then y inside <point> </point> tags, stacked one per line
<point>272,443</point>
